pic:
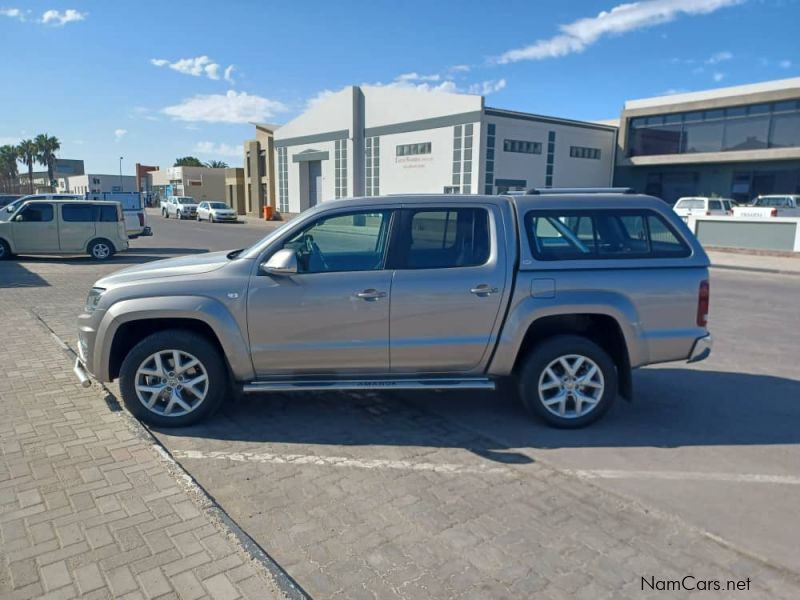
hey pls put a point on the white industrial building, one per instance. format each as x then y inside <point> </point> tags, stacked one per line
<point>95,183</point>
<point>389,140</point>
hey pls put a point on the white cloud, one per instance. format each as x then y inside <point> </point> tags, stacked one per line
<point>199,66</point>
<point>487,87</point>
<point>9,140</point>
<point>718,58</point>
<point>212,149</point>
<point>319,97</point>
<point>228,76</point>
<point>460,68</point>
<point>578,35</point>
<point>718,76</point>
<point>12,13</point>
<point>59,19</point>
<point>232,107</point>
<point>119,134</point>
<point>785,64</point>
<point>417,77</point>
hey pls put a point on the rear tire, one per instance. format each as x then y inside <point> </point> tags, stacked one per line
<point>165,214</point>
<point>568,381</point>
<point>100,249</point>
<point>5,250</point>
<point>139,366</point>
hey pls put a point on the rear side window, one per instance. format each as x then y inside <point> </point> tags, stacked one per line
<point>714,205</point>
<point>85,212</point>
<point>577,235</point>
<point>78,213</point>
<point>441,238</point>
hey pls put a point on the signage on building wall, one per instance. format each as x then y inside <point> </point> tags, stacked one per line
<point>413,162</point>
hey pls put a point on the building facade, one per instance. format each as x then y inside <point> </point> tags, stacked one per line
<point>96,183</point>
<point>201,183</point>
<point>259,170</point>
<point>62,168</point>
<point>235,189</point>
<point>735,142</point>
<point>387,140</point>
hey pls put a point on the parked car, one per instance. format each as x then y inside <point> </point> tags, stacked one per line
<point>64,226</point>
<point>215,211</point>
<point>5,199</point>
<point>12,206</point>
<point>563,294</point>
<point>180,207</point>
<point>778,205</point>
<point>133,209</point>
<point>702,206</point>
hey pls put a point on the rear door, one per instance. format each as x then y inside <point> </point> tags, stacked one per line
<point>449,277</point>
<point>77,226</point>
<point>36,228</point>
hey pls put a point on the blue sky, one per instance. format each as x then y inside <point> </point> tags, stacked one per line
<point>152,81</point>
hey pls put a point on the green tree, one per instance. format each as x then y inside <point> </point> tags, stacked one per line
<point>217,164</point>
<point>28,151</point>
<point>188,161</point>
<point>47,146</point>
<point>9,174</point>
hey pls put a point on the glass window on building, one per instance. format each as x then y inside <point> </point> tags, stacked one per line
<point>737,128</point>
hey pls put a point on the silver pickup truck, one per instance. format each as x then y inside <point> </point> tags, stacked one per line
<point>562,294</point>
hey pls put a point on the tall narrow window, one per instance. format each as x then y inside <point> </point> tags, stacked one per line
<point>283,181</point>
<point>372,155</point>
<point>340,166</point>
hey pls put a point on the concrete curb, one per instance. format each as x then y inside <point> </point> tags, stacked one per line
<point>757,270</point>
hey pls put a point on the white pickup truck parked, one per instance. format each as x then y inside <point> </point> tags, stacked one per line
<point>779,205</point>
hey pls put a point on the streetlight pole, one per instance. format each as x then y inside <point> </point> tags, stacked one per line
<point>120,174</point>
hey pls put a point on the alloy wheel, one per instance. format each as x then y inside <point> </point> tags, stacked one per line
<point>171,383</point>
<point>571,386</point>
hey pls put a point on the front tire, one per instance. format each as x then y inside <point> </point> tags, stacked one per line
<point>5,250</point>
<point>101,249</point>
<point>211,218</point>
<point>165,214</point>
<point>173,378</point>
<point>568,381</point>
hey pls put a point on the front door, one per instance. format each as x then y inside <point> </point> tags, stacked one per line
<point>36,228</point>
<point>447,288</point>
<point>332,317</point>
<point>314,182</point>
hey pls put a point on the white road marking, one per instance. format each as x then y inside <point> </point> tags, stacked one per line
<point>684,476</point>
<point>341,461</point>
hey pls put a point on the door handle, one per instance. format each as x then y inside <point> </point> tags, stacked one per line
<point>483,290</point>
<point>371,294</point>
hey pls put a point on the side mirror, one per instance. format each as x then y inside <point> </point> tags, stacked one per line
<point>283,262</point>
<point>18,218</point>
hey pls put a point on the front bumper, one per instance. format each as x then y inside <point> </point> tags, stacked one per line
<point>701,349</point>
<point>225,217</point>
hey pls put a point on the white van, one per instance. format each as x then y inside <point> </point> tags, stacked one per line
<point>701,206</point>
<point>64,226</point>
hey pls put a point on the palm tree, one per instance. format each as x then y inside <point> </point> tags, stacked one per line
<point>188,161</point>
<point>47,146</point>
<point>8,167</point>
<point>217,164</point>
<point>28,151</point>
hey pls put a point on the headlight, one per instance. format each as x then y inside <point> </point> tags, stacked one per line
<point>93,299</point>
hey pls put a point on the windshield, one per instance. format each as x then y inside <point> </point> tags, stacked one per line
<point>218,205</point>
<point>185,200</point>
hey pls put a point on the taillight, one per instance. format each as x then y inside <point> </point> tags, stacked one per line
<point>708,213</point>
<point>773,212</point>
<point>141,219</point>
<point>703,299</point>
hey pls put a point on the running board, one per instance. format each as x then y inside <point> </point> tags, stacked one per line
<point>314,385</point>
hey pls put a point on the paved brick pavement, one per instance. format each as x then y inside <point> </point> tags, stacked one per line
<point>88,508</point>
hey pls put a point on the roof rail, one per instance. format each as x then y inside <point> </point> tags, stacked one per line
<point>586,190</point>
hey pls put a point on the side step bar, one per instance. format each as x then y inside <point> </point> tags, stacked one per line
<point>314,385</point>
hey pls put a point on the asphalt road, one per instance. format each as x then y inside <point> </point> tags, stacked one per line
<point>714,445</point>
